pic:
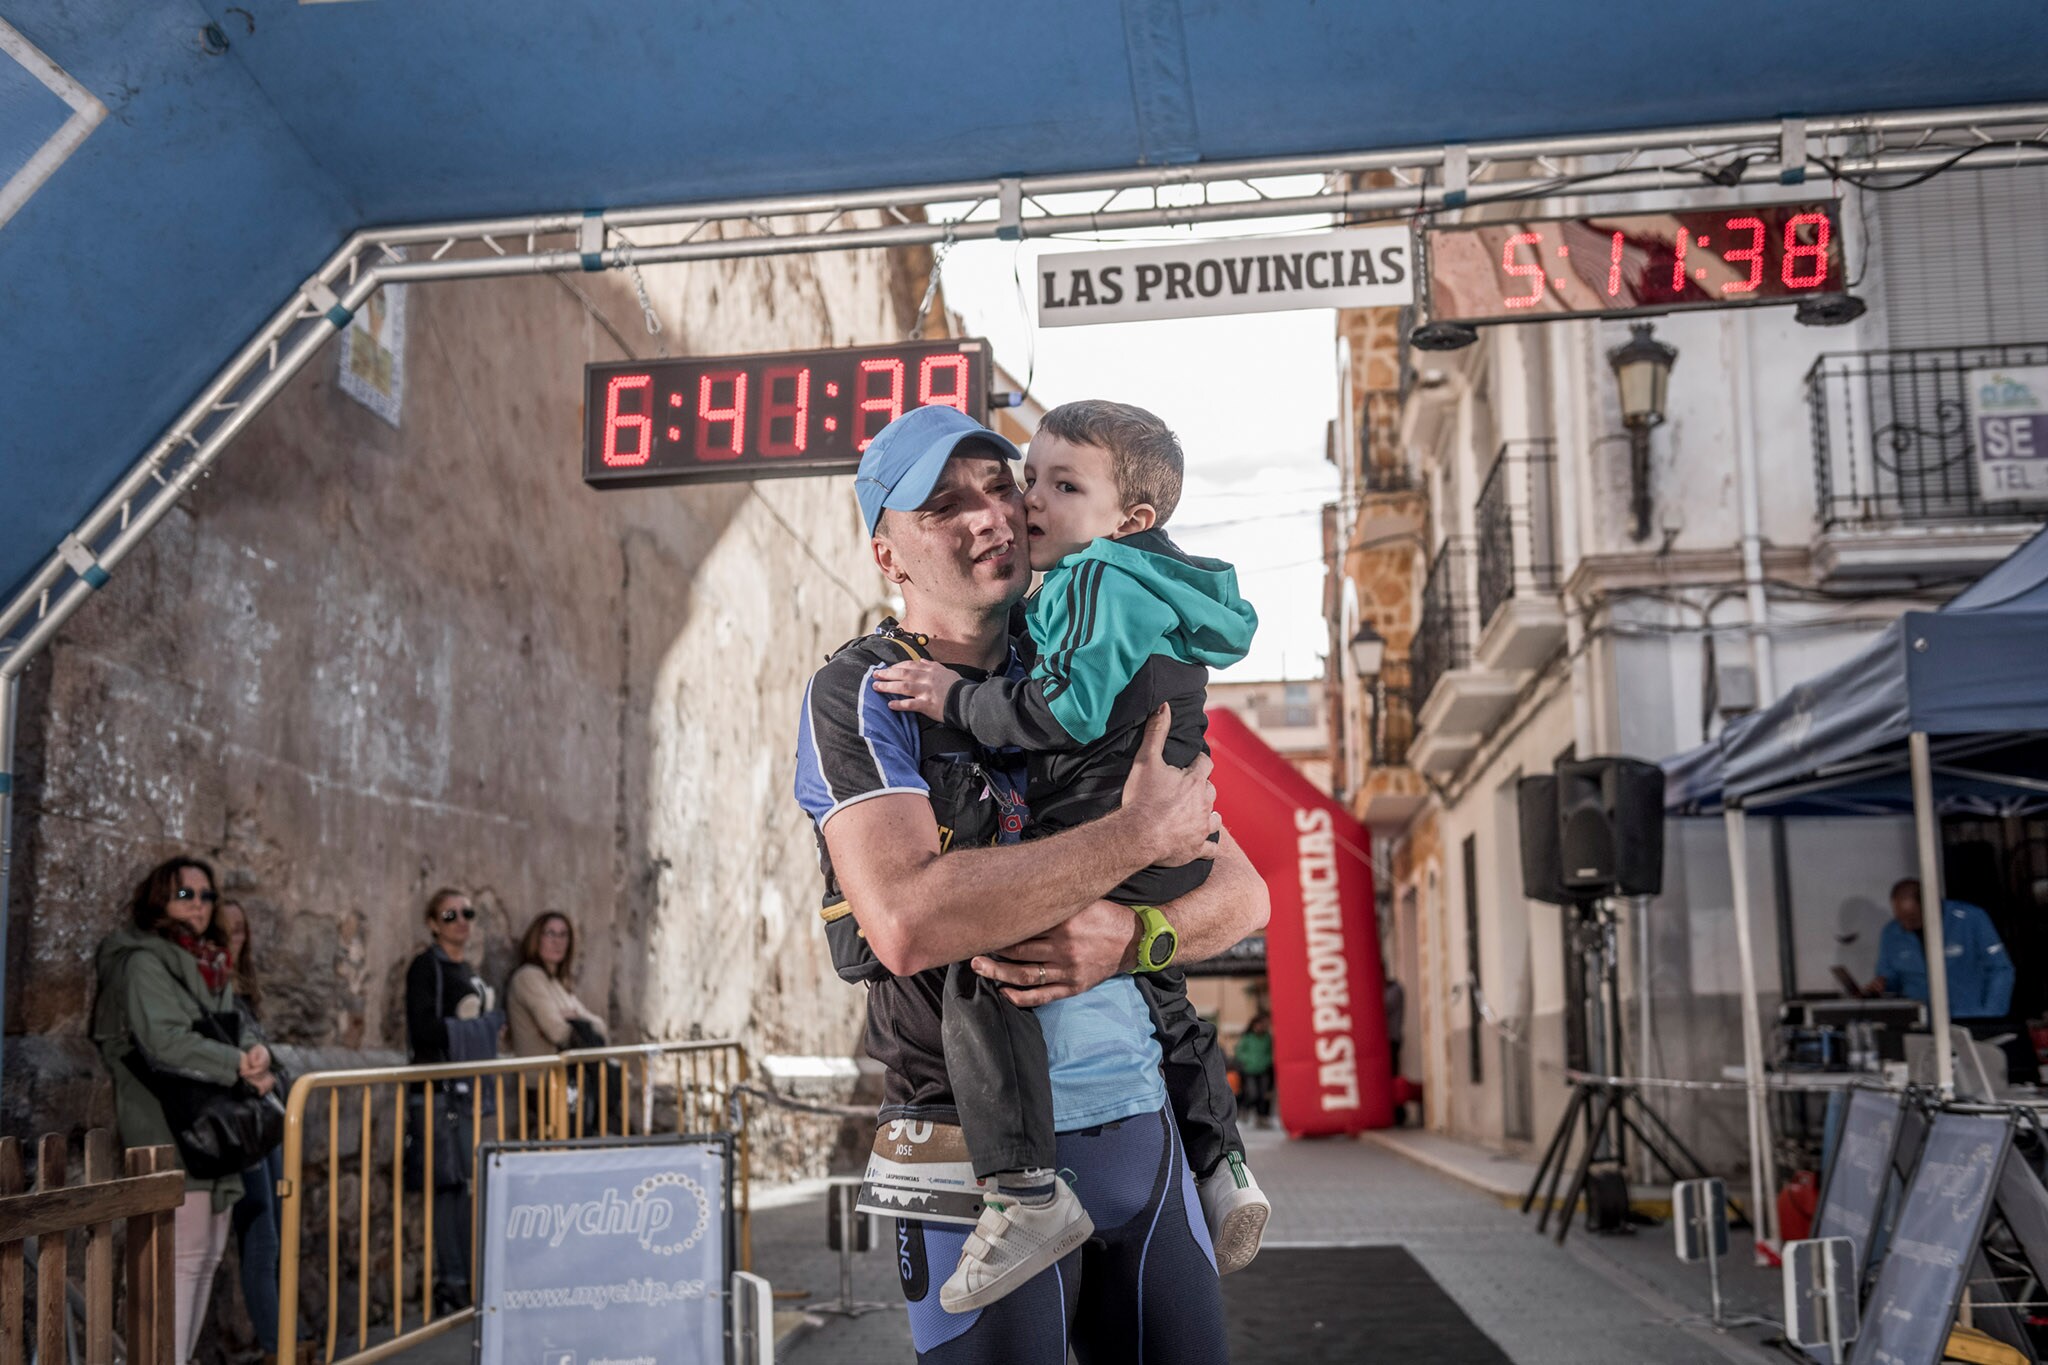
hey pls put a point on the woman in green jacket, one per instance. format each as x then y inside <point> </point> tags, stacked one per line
<point>156,975</point>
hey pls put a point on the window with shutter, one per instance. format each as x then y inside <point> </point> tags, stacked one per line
<point>1963,270</point>
<point>1966,258</point>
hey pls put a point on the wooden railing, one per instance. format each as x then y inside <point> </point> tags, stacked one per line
<point>145,1196</point>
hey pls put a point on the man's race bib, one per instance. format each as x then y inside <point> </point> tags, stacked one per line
<point>920,1169</point>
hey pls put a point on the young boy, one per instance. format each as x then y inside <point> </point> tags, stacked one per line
<point>1123,622</point>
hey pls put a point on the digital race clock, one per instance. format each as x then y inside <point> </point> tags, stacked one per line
<point>1603,265</point>
<point>705,419</point>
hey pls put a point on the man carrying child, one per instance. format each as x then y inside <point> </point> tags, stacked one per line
<point>917,822</point>
<point>1123,623</point>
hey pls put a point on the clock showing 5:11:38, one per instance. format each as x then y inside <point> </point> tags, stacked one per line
<point>1604,265</point>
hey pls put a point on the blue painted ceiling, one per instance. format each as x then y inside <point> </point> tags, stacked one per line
<point>221,179</point>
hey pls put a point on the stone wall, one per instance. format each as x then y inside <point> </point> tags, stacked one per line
<point>363,661</point>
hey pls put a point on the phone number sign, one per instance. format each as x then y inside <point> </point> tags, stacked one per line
<point>2009,424</point>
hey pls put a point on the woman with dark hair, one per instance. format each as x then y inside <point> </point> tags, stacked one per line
<point>449,1017</point>
<point>256,1219</point>
<point>160,978</point>
<point>544,1014</point>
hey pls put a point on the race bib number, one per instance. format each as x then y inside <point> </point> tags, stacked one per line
<point>920,1169</point>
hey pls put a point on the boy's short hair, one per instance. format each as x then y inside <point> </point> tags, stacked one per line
<point>1143,450</point>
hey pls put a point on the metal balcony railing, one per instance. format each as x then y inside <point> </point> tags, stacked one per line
<point>1443,635</point>
<point>1517,525</point>
<point>1892,443</point>
<point>1393,718</point>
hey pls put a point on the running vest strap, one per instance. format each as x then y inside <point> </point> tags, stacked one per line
<point>889,643</point>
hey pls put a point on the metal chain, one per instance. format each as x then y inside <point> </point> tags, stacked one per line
<point>931,288</point>
<point>647,313</point>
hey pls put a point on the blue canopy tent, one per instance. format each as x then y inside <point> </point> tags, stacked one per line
<point>1968,676</point>
<point>1944,710</point>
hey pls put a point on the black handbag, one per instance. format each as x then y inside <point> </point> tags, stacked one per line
<point>220,1130</point>
<point>451,1124</point>
<point>584,1034</point>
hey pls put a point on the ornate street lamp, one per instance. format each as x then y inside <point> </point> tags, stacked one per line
<point>1368,651</point>
<point>1642,371</point>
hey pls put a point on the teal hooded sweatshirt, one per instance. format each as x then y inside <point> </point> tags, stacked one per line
<point>1101,613</point>
<point>1119,629</point>
<point>1099,618</point>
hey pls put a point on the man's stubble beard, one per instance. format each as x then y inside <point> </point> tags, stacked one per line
<point>920,605</point>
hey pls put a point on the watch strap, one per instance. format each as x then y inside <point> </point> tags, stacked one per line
<point>1158,941</point>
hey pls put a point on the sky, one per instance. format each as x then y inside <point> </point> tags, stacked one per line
<point>1249,395</point>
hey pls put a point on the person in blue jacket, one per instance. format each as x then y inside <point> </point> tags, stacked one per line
<point>1979,969</point>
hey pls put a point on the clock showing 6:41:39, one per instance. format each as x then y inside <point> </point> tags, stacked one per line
<point>715,418</point>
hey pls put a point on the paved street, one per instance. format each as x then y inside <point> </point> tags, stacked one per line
<point>1592,1302</point>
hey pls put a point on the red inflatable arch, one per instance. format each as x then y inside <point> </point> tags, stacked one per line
<point>1323,945</point>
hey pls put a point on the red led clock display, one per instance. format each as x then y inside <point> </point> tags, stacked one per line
<point>1608,264</point>
<point>706,419</point>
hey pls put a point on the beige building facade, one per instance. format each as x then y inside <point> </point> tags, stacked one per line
<point>1803,494</point>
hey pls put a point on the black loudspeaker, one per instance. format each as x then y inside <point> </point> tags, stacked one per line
<point>1542,873</point>
<point>1610,827</point>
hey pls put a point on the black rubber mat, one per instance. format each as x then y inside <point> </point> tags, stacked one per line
<point>1344,1304</point>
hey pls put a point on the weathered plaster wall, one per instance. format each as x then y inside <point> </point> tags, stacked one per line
<point>360,662</point>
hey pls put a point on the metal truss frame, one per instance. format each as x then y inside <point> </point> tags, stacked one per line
<point>1355,186</point>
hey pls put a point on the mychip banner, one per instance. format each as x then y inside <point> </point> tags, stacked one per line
<point>606,1254</point>
<point>1367,267</point>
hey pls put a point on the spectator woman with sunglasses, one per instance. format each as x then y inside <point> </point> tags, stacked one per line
<point>160,977</point>
<point>449,1017</point>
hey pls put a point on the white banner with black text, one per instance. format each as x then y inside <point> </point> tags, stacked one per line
<point>1365,267</point>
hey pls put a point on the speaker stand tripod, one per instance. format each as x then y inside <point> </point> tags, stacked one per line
<point>1608,1107</point>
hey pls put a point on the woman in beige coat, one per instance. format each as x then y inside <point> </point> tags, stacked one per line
<point>541,1011</point>
<point>544,1017</point>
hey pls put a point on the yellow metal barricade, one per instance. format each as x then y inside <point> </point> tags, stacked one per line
<point>599,1092</point>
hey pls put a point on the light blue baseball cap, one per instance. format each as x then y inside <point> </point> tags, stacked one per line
<point>902,464</point>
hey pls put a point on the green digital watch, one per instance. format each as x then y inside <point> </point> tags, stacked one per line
<point>1157,941</point>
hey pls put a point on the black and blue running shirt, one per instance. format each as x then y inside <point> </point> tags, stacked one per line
<point>852,747</point>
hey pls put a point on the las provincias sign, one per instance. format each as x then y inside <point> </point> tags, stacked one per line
<point>1366,267</point>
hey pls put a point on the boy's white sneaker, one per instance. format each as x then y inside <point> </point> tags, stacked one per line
<point>1236,1210</point>
<point>1012,1243</point>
